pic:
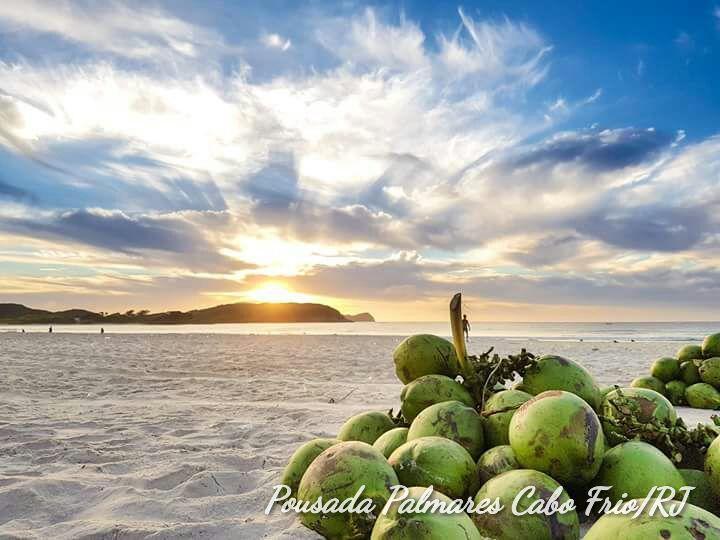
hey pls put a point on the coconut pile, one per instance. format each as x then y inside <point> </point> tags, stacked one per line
<point>691,378</point>
<point>486,428</point>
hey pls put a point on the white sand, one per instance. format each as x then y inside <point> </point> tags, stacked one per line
<point>173,436</point>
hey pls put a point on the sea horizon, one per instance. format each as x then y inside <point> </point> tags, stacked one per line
<point>669,331</point>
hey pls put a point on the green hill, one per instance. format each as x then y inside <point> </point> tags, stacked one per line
<point>228,313</point>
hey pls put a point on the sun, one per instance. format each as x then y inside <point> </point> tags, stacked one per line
<point>276,293</point>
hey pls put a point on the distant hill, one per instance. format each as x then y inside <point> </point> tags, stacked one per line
<point>360,317</point>
<point>228,313</point>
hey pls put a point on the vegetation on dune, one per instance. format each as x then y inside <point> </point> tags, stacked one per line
<point>243,312</point>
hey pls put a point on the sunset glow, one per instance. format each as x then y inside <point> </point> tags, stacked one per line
<point>369,157</point>
<point>274,292</point>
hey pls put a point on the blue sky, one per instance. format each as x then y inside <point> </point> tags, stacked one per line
<point>554,161</point>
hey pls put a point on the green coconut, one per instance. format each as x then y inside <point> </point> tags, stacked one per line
<point>301,460</point>
<point>496,423</point>
<point>425,354</point>
<point>505,525</point>
<point>452,420</point>
<point>366,427</point>
<point>339,472</point>
<point>559,434</point>
<point>689,352</point>
<point>605,390</point>
<point>646,404</point>
<point>711,346</point>
<point>710,371</point>
<point>675,391</point>
<point>558,373</point>
<point>702,396</point>
<point>652,383</point>
<point>398,523</point>
<point>429,390</point>
<point>391,440</point>
<point>689,373</point>
<point>702,495</point>
<point>437,462</point>
<point>712,466</point>
<point>497,460</point>
<point>635,468</point>
<point>693,523</point>
<point>666,369</point>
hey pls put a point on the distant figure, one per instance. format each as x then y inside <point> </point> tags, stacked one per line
<point>466,327</point>
<point>23,330</point>
<point>50,330</point>
<point>102,330</point>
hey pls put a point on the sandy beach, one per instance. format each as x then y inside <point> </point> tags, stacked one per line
<point>180,436</point>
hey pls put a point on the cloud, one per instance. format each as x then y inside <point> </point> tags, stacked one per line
<point>134,32</point>
<point>14,192</point>
<point>598,150</point>
<point>369,136</point>
<point>179,238</point>
<point>649,228</point>
<point>408,277</point>
<point>275,41</point>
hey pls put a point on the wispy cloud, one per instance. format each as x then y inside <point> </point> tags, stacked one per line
<point>133,32</point>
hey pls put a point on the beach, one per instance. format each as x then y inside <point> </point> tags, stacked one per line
<point>129,436</point>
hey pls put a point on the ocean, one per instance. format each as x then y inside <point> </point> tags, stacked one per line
<point>543,331</point>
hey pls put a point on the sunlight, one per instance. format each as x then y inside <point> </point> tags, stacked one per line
<point>276,293</point>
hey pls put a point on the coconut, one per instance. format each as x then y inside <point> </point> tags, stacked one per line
<point>691,523</point>
<point>710,371</point>
<point>702,396</point>
<point>505,525</point>
<point>559,434</point>
<point>689,352</point>
<point>339,472</point>
<point>666,369</point>
<point>452,420</point>
<point>437,462</point>
<point>558,373</point>
<point>689,373</point>
<point>429,390</point>
<point>301,460</point>
<point>391,440</point>
<point>497,460</point>
<point>711,346</point>
<point>653,383</point>
<point>712,466</point>
<point>366,427</point>
<point>675,391</point>
<point>425,354</point>
<point>634,468</point>
<point>400,524</point>
<point>647,404</point>
<point>702,495</point>
<point>496,423</point>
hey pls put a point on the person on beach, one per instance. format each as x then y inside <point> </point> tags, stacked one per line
<point>102,330</point>
<point>50,330</point>
<point>466,327</point>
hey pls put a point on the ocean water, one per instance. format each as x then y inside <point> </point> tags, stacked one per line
<point>592,332</point>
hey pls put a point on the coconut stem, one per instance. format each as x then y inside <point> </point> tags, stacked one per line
<point>457,333</point>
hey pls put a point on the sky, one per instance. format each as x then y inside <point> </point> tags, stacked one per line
<point>553,161</point>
